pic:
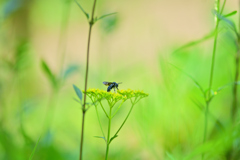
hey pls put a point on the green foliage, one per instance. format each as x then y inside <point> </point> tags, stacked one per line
<point>78,92</point>
<point>33,152</point>
<point>51,77</point>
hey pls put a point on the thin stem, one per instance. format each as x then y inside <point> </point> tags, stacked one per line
<point>206,122</point>
<point>235,85</point>
<point>124,120</point>
<point>63,35</point>
<point>99,121</point>
<point>104,109</point>
<point>109,129</point>
<point>86,78</point>
<point>117,109</point>
<point>213,60</point>
<point>211,76</point>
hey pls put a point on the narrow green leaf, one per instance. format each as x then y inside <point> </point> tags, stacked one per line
<point>86,14</point>
<point>193,43</point>
<point>100,137</point>
<point>70,70</point>
<point>103,16</point>
<point>170,156</point>
<point>214,119</point>
<point>77,100</point>
<point>115,136</point>
<point>189,76</point>
<point>230,14</point>
<point>229,22</point>
<point>32,154</point>
<point>49,73</point>
<point>78,92</point>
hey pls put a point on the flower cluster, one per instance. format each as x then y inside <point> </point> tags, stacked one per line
<point>96,95</point>
<point>132,93</point>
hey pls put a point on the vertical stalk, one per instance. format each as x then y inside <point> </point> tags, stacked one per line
<point>109,129</point>
<point>91,22</point>
<point>235,86</point>
<point>217,5</point>
<point>63,34</point>
<point>211,73</point>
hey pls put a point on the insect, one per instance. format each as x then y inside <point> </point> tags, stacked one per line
<point>111,85</point>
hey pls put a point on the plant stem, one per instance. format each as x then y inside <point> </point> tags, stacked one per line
<point>63,34</point>
<point>124,120</point>
<point>109,129</point>
<point>207,98</point>
<point>86,78</point>
<point>235,86</point>
<point>206,122</point>
<point>99,121</point>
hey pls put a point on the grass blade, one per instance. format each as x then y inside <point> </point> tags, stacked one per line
<point>32,154</point>
<point>189,76</point>
<point>193,43</point>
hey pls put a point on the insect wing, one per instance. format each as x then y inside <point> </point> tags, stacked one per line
<point>107,83</point>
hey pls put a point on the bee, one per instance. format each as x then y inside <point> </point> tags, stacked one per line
<point>111,85</point>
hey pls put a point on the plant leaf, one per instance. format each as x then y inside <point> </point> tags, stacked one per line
<point>170,156</point>
<point>77,100</point>
<point>86,14</point>
<point>100,137</point>
<point>229,22</point>
<point>78,92</point>
<point>192,43</point>
<point>189,76</point>
<point>230,14</point>
<point>32,154</point>
<point>105,15</point>
<point>49,74</point>
<point>115,136</point>
<point>70,70</point>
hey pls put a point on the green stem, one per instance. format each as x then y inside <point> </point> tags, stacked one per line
<point>124,120</point>
<point>211,76</point>
<point>109,129</point>
<point>235,86</point>
<point>99,121</point>
<point>104,109</point>
<point>63,34</point>
<point>86,79</point>
<point>117,109</point>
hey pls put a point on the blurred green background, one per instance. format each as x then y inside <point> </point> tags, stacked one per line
<point>136,46</point>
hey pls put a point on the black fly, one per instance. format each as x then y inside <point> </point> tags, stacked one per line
<point>111,85</point>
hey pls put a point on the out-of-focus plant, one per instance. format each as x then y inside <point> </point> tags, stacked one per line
<point>91,21</point>
<point>113,99</point>
<point>209,93</point>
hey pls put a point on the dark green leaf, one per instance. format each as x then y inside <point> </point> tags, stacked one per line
<point>86,14</point>
<point>230,14</point>
<point>78,92</point>
<point>103,16</point>
<point>32,154</point>
<point>49,73</point>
